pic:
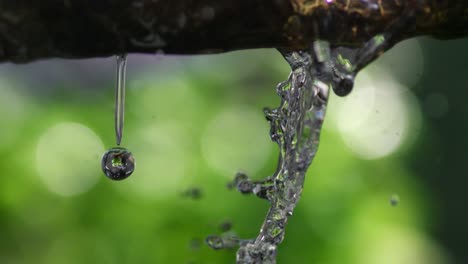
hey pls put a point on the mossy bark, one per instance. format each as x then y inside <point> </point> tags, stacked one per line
<point>31,29</point>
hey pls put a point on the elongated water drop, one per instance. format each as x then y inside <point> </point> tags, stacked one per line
<point>118,163</point>
<point>120,97</point>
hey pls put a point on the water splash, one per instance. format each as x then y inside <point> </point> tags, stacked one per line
<point>295,127</point>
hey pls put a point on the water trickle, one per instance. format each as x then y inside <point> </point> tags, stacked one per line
<point>118,163</point>
<point>295,126</point>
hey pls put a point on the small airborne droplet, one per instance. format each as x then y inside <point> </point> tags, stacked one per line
<point>225,226</point>
<point>215,242</point>
<point>118,163</point>
<point>394,200</point>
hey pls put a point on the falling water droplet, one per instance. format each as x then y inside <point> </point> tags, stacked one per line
<point>118,163</point>
<point>394,200</point>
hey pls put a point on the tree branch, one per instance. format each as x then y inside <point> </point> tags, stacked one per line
<point>31,29</point>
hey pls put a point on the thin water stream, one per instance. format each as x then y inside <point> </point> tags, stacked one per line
<point>295,126</point>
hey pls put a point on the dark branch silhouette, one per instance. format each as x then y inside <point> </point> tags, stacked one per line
<point>31,29</point>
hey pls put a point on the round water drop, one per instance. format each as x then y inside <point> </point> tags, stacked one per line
<point>225,226</point>
<point>118,163</point>
<point>344,86</point>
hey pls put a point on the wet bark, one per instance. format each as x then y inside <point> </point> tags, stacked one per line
<point>31,29</point>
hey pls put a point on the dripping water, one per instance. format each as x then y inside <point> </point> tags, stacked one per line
<point>120,97</point>
<point>118,163</point>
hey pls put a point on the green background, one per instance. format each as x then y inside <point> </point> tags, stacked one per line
<point>193,122</point>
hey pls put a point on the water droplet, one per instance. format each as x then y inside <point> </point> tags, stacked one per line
<point>344,86</point>
<point>215,242</point>
<point>243,183</point>
<point>118,163</point>
<point>227,240</point>
<point>225,226</point>
<point>394,200</point>
<point>193,193</point>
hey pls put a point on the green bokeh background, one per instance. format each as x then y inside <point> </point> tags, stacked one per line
<point>195,122</point>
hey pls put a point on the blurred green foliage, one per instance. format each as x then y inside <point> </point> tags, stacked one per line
<point>190,122</point>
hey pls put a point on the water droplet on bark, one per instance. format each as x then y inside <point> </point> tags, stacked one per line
<point>344,86</point>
